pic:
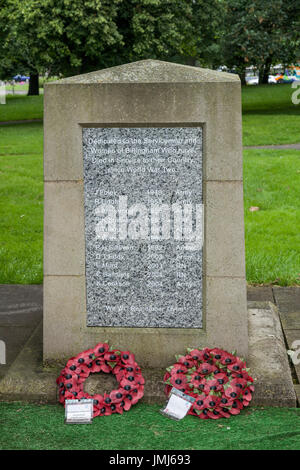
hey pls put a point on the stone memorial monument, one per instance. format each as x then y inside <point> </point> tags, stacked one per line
<point>144,228</point>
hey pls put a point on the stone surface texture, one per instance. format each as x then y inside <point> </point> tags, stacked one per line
<point>143,269</point>
<point>268,358</point>
<point>144,94</point>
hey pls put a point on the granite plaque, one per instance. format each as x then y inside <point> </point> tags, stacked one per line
<point>143,226</point>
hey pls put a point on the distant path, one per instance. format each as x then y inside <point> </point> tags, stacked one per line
<point>23,121</point>
<point>274,147</point>
<point>258,147</point>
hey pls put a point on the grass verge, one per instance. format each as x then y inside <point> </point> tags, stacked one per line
<point>269,115</point>
<point>21,107</point>
<point>41,427</point>
<point>272,234</point>
<point>21,204</point>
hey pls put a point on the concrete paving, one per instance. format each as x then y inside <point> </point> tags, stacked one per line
<point>274,147</point>
<point>24,378</point>
<point>21,310</point>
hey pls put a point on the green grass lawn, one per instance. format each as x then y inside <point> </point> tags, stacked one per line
<point>41,427</point>
<point>269,116</point>
<point>21,204</point>
<point>272,234</point>
<point>21,107</point>
<point>271,182</point>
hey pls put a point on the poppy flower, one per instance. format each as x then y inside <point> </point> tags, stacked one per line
<point>196,379</point>
<point>117,396</point>
<point>196,355</point>
<point>236,407</point>
<point>127,402</point>
<point>112,356</point>
<point>178,381</point>
<point>247,396</point>
<point>73,365</point>
<point>238,383</point>
<point>237,366</point>
<point>167,390</point>
<point>166,376</point>
<point>232,392</point>
<point>127,357</point>
<point>137,394</point>
<point>212,386</point>
<point>221,378</point>
<point>214,414</point>
<point>84,371</point>
<point>227,359</point>
<point>187,361</point>
<point>203,414</point>
<point>65,395</point>
<point>199,402</point>
<point>139,379</point>
<point>211,401</point>
<point>100,349</point>
<point>224,412</point>
<point>127,385</point>
<point>178,369</point>
<point>205,354</point>
<point>99,366</point>
<point>205,368</point>
<point>119,408</point>
<point>83,357</point>
<point>218,354</point>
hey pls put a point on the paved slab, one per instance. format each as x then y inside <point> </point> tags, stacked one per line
<point>268,358</point>
<point>274,147</point>
<point>287,299</point>
<point>260,294</point>
<point>21,309</point>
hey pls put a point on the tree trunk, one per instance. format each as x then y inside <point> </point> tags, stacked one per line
<point>190,61</point>
<point>264,72</point>
<point>242,75</point>
<point>33,84</point>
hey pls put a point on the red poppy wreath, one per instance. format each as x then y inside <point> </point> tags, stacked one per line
<point>100,359</point>
<point>219,382</point>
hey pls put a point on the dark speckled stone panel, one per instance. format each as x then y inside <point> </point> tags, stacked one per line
<point>143,186</point>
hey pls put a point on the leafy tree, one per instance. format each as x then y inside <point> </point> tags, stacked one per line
<point>183,30</point>
<point>76,36</point>
<point>261,33</point>
<point>58,36</point>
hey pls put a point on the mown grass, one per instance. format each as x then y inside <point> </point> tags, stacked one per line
<point>269,115</point>
<point>41,427</point>
<point>21,107</point>
<point>272,234</point>
<point>21,204</point>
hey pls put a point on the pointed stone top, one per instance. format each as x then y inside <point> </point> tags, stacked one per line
<point>150,71</point>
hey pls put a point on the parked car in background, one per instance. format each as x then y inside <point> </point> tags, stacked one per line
<point>253,80</point>
<point>20,78</point>
<point>288,76</point>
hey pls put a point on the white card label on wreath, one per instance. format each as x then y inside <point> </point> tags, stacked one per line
<point>79,411</point>
<point>178,405</point>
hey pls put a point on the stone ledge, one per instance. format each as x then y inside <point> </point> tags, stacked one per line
<point>268,359</point>
<point>26,380</point>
